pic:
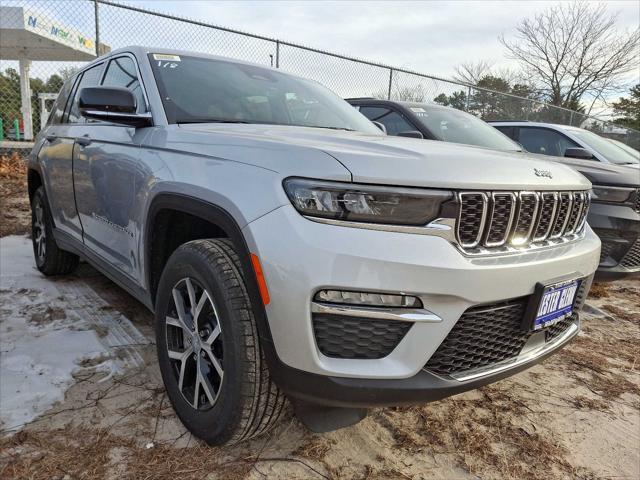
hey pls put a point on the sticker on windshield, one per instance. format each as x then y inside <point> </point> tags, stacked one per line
<point>417,109</point>
<point>166,57</point>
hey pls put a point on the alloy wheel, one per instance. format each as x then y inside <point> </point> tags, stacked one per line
<point>194,343</point>
<point>39,233</point>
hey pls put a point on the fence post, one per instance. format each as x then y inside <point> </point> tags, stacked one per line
<point>1,130</point>
<point>390,83</point>
<point>571,119</point>
<point>16,127</point>
<point>97,20</point>
<point>277,53</point>
<point>466,107</point>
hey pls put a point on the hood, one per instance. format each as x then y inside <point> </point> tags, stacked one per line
<point>601,173</point>
<point>403,161</point>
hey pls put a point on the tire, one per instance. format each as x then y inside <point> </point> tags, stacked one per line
<point>235,399</point>
<point>50,259</point>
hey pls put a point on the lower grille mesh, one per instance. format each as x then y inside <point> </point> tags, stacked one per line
<point>340,336</point>
<point>488,334</point>
<point>632,257</point>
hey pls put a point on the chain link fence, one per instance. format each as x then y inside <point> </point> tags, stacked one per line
<point>75,30</point>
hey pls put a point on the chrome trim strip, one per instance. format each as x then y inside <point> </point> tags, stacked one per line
<point>529,247</point>
<point>440,227</point>
<point>491,217</point>
<point>414,315</point>
<point>483,218</point>
<point>118,115</point>
<point>527,357</point>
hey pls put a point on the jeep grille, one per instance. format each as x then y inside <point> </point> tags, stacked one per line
<point>499,221</point>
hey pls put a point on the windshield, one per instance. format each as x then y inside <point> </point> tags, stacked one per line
<point>604,147</point>
<point>630,150</point>
<point>202,90</point>
<point>450,125</point>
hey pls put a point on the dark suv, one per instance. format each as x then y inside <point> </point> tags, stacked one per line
<point>615,211</point>
<point>614,173</point>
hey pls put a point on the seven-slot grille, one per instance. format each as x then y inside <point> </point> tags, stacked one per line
<point>497,220</point>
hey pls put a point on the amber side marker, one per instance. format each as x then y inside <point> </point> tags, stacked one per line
<point>262,283</point>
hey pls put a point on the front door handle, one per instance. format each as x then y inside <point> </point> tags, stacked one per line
<point>84,141</point>
<point>51,138</point>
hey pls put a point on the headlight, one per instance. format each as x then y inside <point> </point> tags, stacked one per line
<point>365,203</point>
<point>601,193</point>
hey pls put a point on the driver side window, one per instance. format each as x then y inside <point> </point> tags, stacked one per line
<point>545,141</point>
<point>392,120</point>
<point>122,72</point>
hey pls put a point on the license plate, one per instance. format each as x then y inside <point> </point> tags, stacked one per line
<point>555,304</point>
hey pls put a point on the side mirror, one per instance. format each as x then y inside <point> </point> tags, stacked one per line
<point>112,104</point>
<point>381,127</point>
<point>411,134</point>
<point>580,153</point>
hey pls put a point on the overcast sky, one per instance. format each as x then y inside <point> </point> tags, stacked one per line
<point>429,36</point>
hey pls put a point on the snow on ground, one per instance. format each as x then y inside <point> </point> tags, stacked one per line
<point>47,336</point>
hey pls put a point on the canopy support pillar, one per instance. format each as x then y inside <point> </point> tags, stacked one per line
<point>25,99</point>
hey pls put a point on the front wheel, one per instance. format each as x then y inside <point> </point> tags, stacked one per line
<point>208,348</point>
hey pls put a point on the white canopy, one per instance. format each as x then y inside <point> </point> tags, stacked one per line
<point>26,35</point>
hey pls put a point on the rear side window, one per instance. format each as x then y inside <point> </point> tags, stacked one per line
<point>545,141</point>
<point>508,131</point>
<point>122,72</point>
<point>90,78</point>
<point>392,120</point>
<point>57,111</point>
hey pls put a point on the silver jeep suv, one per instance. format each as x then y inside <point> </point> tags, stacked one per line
<point>288,247</point>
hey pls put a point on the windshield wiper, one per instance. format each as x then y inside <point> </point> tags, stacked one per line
<point>330,128</point>
<point>212,120</point>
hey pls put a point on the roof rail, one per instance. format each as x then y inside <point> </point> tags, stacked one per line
<point>363,98</point>
<point>507,120</point>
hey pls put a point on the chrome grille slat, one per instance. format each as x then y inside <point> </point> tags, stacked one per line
<point>471,218</point>
<point>525,219</point>
<point>546,214</point>
<point>494,222</point>
<point>562,215</point>
<point>576,210</point>
<point>583,213</point>
<point>503,207</point>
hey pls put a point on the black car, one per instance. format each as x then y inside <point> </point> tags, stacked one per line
<point>615,211</point>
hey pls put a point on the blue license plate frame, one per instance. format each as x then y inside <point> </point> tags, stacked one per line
<point>551,304</point>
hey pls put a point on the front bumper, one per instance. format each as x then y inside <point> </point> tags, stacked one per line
<point>619,230</point>
<point>300,256</point>
<point>423,387</point>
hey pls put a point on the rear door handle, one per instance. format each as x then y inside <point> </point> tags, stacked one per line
<point>84,141</point>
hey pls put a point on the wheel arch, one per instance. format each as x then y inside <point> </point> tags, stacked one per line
<point>34,180</point>
<point>223,225</point>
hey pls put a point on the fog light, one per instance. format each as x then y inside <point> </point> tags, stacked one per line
<point>369,299</point>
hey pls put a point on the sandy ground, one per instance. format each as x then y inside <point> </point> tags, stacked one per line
<point>101,412</point>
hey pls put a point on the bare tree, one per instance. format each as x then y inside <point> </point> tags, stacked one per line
<point>472,72</point>
<point>572,51</point>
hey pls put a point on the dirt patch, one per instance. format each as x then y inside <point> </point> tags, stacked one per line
<point>622,313</point>
<point>48,315</point>
<point>599,290</point>
<point>15,213</point>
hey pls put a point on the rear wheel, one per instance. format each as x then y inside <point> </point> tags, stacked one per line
<point>208,348</point>
<point>50,259</point>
